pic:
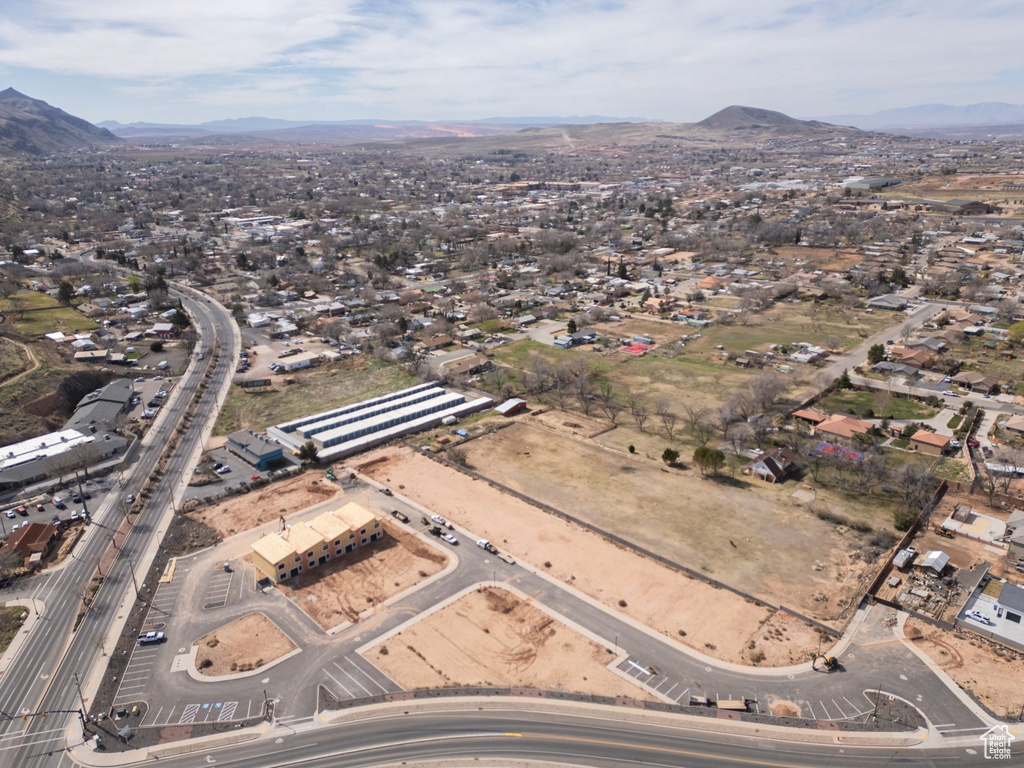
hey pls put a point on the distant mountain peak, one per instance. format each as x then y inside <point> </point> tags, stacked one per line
<point>741,118</point>
<point>32,127</point>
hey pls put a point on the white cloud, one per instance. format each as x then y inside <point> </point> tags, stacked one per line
<point>473,58</point>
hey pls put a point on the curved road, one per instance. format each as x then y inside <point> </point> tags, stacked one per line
<point>43,676</point>
<point>466,734</point>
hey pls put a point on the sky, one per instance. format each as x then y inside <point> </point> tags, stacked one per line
<point>189,61</point>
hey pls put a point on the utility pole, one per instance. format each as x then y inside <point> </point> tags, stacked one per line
<point>81,698</point>
<point>131,568</point>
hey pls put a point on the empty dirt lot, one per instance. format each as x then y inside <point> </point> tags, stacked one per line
<point>244,644</point>
<point>339,591</point>
<point>993,674</point>
<point>754,537</point>
<point>493,638</point>
<point>250,510</point>
<point>714,621</point>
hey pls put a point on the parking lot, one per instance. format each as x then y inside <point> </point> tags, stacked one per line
<point>39,507</point>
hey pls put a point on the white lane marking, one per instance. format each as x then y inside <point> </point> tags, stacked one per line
<point>352,678</point>
<point>336,680</point>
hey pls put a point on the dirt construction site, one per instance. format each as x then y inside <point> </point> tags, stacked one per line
<point>250,510</point>
<point>992,673</point>
<point>244,644</point>
<point>760,538</point>
<point>714,621</point>
<point>343,589</point>
<point>491,637</point>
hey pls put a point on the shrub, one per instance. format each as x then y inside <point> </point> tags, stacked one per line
<point>157,346</point>
<point>206,663</point>
<point>902,519</point>
<point>622,603</point>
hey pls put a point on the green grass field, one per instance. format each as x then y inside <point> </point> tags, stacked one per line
<point>793,323</point>
<point>318,390</point>
<point>882,404</point>
<point>44,314</point>
<point>10,624</point>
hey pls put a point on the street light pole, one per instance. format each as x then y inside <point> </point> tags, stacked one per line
<point>131,568</point>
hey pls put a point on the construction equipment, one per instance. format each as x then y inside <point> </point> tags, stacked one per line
<point>946,532</point>
<point>828,663</point>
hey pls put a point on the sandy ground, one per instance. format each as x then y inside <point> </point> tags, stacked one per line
<point>993,674</point>
<point>492,638</point>
<point>246,643</point>
<point>250,510</point>
<point>714,621</point>
<point>744,532</point>
<point>347,586</point>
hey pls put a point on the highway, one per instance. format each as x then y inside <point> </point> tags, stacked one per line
<point>560,735</point>
<point>43,677</point>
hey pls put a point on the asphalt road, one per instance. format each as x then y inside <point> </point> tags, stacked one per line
<point>43,676</point>
<point>563,737</point>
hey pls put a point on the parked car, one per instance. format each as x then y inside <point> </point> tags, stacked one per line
<point>130,498</point>
<point>139,379</point>
<point>254,477</point>
<point>40,508</point>
<point>9,513</point>
<point>54,520</point>
<point>386,491</point>
<point>74,516</point>
<point>449,538</point>
<point>151,638</point>
<point>22,511</point>
<point>485,544</point>
<point>439,520</point>
<point>949,393</point>
<point>973,443</point>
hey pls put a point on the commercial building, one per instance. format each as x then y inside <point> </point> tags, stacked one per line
<point>254,449</point>
<point>287,554</point>
<point>88,437</point>
<point>344,431</point>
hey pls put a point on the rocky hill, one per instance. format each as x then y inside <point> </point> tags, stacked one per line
<point>737,118</point>
<point>32,127</point>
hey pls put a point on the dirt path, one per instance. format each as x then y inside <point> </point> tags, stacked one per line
<point>33,363</point>
<point>991,673</point>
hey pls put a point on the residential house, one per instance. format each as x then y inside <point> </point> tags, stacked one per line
<point>977,382</point>
<point>775,465</point>
<point>1015,424</point>
<point>841,428</point>
<point>163,330</point>
<point>929,442</point>
<point>889,301</point>
<point>32,539</point>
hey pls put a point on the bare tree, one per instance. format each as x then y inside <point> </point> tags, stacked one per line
<point>584,389</point>
<point>640,414</point>
<point>608,401</point>
<point>760,429</point>
<point>499,379</point>
<point>725,418</point>
<point>764,390</point>
<point>537,380</point>
<point>669,418</point>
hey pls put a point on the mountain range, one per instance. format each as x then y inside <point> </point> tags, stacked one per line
<point>926,118</point>
<point>32,127</point>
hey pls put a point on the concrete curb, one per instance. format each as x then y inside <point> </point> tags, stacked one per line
<point>196,675</point>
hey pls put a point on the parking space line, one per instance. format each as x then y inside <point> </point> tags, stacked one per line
<point>825,710</point>
<point>669,691</point>
<point>681,695</point>
<point>352,661</point>
<point>856,709</point>
<point>811,709</point>
<point>839,708</point>
<point>352,678</point>
<point>188,715</point>
<point>346,690</point>
<point>228,710</point>
<point>156,717</point>
<point>170,714</point>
